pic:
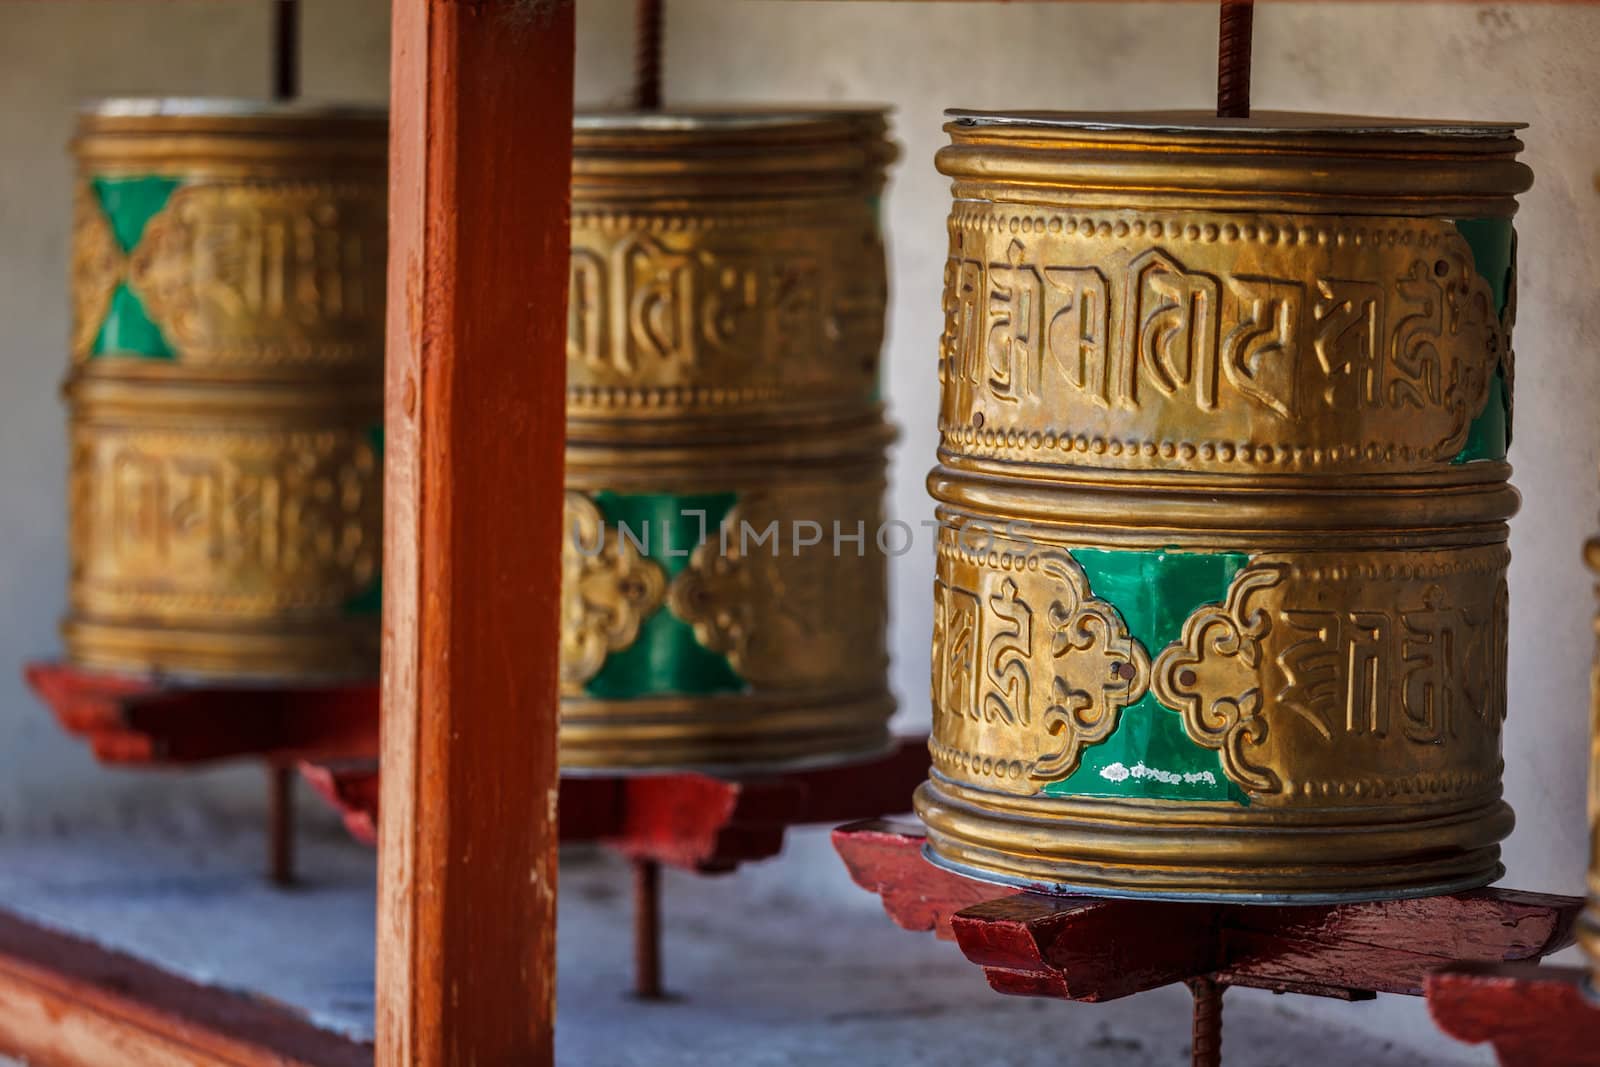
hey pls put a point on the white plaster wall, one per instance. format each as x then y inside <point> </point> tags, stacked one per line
<point>1526,62</point>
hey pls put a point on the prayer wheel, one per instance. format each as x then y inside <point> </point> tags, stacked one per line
<point>1220,605</point>
<point>225,390</point>
<point>724,596</point>
<point>1588,926</point>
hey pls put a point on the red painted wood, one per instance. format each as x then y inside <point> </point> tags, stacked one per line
<point>129,720</point>
<point>1084,948</point>
<point>65,1002</point>
<point>1532,1016</point>
<point>1080,948</point>
<point>884,856</point>
<point>709,825</point>
<point>351,787</point>
<point>480,171</point>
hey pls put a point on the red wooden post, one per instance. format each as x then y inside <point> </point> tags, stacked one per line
<point>481,142</point>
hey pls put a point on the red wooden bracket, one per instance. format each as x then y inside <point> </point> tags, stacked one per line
<point>1097,948</point>
<point>131,720</point>
<point>698,823</point>
<point>1532,1016</point>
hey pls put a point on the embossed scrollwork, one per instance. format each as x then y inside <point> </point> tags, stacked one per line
<point>788,615</point>
<point>98,267</point>
<point>1099,669</point>
<point>607,591</point>
<point>1030,668</point>
<point>1211,676</point>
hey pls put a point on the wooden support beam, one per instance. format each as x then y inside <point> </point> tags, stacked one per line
<point>481,149</point>
<point>65,1002</point>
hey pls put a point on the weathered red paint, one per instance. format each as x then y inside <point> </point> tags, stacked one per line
<point>1095,948</point>
<point>131,720</point>
<point>1532,1016</point>
<point>480,173</point>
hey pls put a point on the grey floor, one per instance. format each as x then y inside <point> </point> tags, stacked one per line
<point>784,963</point>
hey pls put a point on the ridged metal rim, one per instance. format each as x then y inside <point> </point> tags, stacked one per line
<point>1354,896</point>
<point>690,119</point>
<point>1260,122</point>
<point>149,107</point>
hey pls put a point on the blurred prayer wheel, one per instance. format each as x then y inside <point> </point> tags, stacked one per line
<point>724,597</point>
<point>1220,607</point>
<point>226,389</point>
<point>1588,927</point>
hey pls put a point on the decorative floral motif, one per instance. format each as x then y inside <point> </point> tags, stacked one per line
<point>1099,668</point>
<point>607,591</point>
<point>790,615</point>
<point>98,267</point>
<point>1212,677</point>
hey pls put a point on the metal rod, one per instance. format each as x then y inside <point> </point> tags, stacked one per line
<point>280,824</point>
<point>1235,28</point>
<point>286,49</point>
<point>647,930</point>
<point>1206,1044</point>
<point>647,56</point>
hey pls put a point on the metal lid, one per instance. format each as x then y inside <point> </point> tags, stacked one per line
<point>625,159</point>
<point>1260,122</point>
<point>1272,161</point>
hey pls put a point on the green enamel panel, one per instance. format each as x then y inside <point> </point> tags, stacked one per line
<point>1492,242</point>
<point>128,331</point>
<point>666,659</point>
<point>1487,435</point>
<point>130,204</point>
<point>370,600</point>
<point>1149,754</point>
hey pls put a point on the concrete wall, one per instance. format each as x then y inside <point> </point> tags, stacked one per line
<point>1532,63</point>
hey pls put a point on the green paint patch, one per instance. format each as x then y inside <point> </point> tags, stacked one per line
<point>1155,592</point>
<point>666,659</point>
<point>1493,242</point>
<point>369,601</point>
<point>1149,754</point>
<point>129,331</point>
<point>1488,435</point>
<point>130,204</point>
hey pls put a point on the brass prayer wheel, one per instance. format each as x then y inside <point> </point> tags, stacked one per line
<point>225,389</point>
<point>1220,606</point>
<point>1588,926</point>
<point>724,586</point>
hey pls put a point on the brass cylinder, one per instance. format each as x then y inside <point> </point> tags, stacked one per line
<point>225,390</point>
<point>1588,925</point>
<point>1220,606</point>
<point>723,595</point>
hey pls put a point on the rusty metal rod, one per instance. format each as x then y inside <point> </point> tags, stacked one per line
<point>1206,1047</point>
<point>647,56</point>
<point>647,930</point>
<point>280,824</point>
<point>1235,29</point>
<point>286,49</point>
